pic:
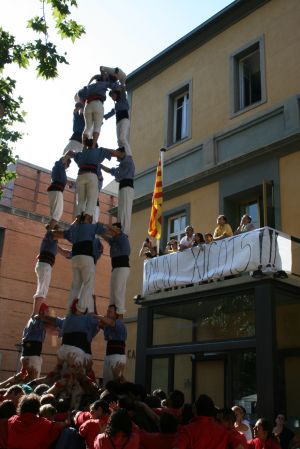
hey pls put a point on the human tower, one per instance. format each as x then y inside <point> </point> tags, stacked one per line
<point>81,323</point>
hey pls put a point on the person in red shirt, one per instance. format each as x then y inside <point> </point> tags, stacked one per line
<point>166,438</point>
<point>27,430</point>
<point>227,418</point>
<point>97,424</point>
<point>204,432</point>
<point>263,438</point>
<point>173,405</point>
<point>14,394</point>
<point>81,417</point>
<point>118,434</point>
<point>7,410</point>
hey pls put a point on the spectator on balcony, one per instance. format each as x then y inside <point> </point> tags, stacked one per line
<point>208,238</point>
<point>187,239</point>
<point>198,239</point>
<point>172,246</point>
<point>223,229</point>
<point>148,250</point>
<point>246,225</point>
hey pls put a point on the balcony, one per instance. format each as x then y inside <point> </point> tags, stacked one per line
<point>259,253</point>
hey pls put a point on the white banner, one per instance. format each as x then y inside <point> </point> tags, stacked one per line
<point>264,248</point>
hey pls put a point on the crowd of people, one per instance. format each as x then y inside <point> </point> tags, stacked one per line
<point>41,414</point>
<point>192,238</point>
<point>67,408</point>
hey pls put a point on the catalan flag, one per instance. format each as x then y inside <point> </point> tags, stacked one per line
<point>157,200</point>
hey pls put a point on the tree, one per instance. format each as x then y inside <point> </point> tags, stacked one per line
<point>47,57</point>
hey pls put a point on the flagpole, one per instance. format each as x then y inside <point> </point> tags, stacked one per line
<point>162,158</point>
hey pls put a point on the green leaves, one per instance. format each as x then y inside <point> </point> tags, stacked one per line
<point>47,57</point>
<point>69,29</point>
<point>38,24</point>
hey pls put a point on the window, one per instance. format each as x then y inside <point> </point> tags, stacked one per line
<point>174,222</point>
<point>176,226</point>
<point>223,317</point>
<point>248,84</point>
<point>180,120</point>
<point>251,208</point>
<point>178,126</point>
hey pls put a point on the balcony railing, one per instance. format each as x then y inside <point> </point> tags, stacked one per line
<point>261,251</point>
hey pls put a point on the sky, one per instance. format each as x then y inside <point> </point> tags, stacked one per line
<point>120,33</point>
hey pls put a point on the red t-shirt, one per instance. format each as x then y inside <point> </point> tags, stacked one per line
<point>157,440</point>
<point>256,443</point>
<point>120,441</point>
<point>81,417</point>
<point>205,433</point>
<point>91,428</point>
<point>29,431</point>
<point>237,436</point>
<point>177,412</point>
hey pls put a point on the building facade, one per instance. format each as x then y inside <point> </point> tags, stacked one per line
<point>24,211</point>
<point>224,103</point>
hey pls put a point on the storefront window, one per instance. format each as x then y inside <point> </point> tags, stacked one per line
<point>243,366</point>
<point>183,374</point>
<point>160,370</point>
<point>225,317</point>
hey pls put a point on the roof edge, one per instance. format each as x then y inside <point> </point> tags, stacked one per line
<point>219,22</point>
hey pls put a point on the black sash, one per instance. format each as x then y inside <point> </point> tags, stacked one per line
<point>31,348</point>
<point>77,339</point>
<point>84,248</point>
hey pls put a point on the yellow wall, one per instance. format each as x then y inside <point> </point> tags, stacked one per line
<point>130,352</point>
<point>289,167</point>
<point>209,69</point>
<point>287,325</point>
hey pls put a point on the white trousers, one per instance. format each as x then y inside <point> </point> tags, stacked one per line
<point>118,281</point>
<point>96,214</point>
<point>125,199</point>
<point>33,361</point>
<point>93,116</point>
<point>43,272</point>
<point>72,355</point>
<point>83,282</point>
<point>87,193</point>
<point>73,145</point>
<point>109,362</point>
<point>56,203</point>
<point>123,135</point>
